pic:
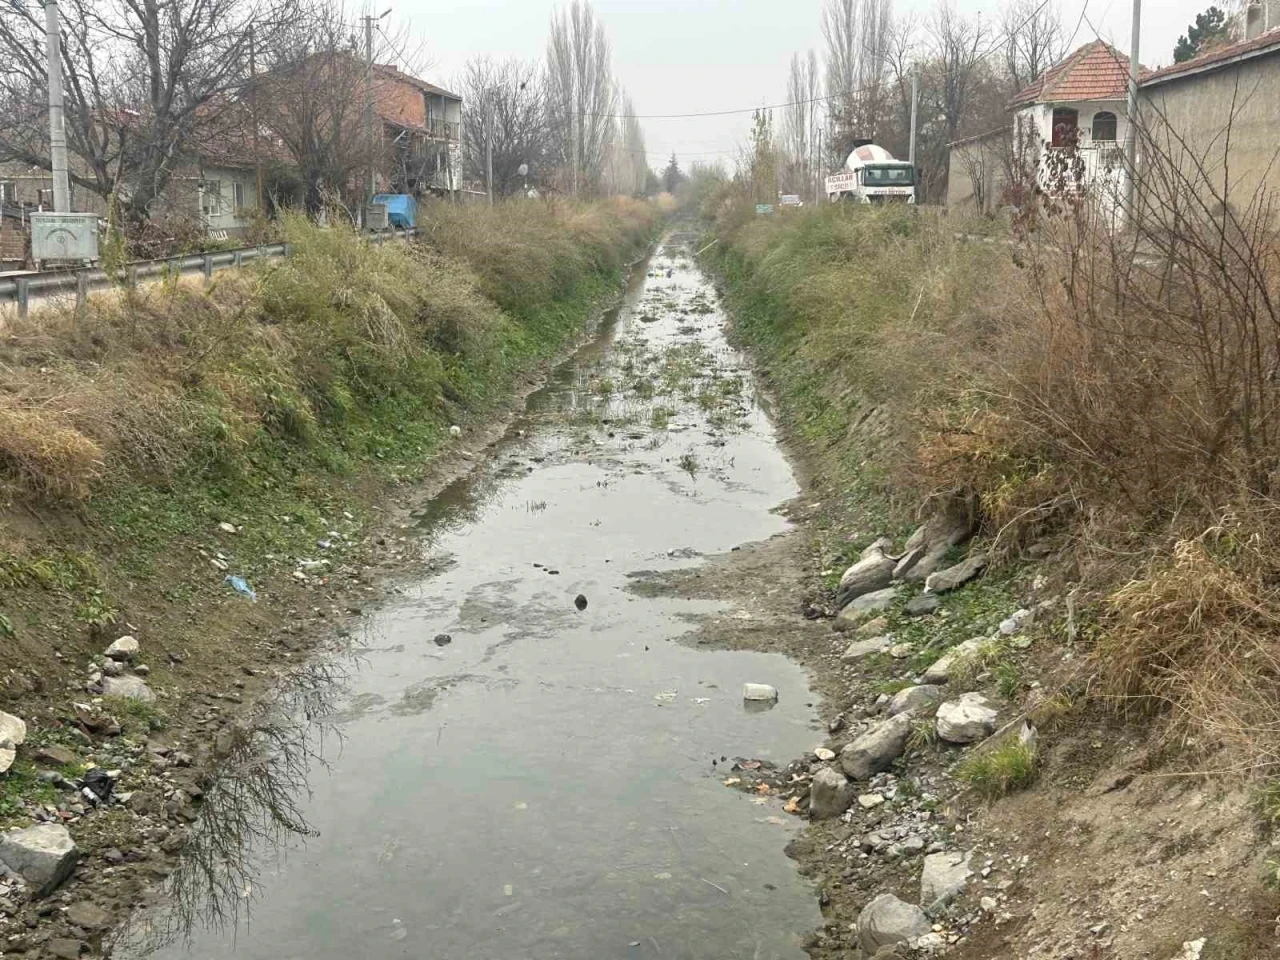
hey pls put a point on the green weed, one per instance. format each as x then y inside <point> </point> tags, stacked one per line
<point>996,771</point>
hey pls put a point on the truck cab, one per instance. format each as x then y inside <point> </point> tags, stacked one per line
<point>873,175</point>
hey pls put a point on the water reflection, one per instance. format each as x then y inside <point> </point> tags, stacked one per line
<point>254,808</point>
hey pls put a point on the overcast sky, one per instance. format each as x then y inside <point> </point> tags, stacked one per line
<point>687,56</point>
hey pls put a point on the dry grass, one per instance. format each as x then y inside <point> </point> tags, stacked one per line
<point>1197,635</point>
<point>179,379</point>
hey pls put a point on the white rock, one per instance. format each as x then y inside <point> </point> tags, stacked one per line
<point>455,431</point>
<point>900,651</point>
<point>129,687</point>
<point>126,648</point>
<point>43,855</point>
<point>930,944</point>
<point>1191,950</point>
<point>828,794</point>
<point>944,877</point>
<point>887,920</point>
<point>869,801</point>
<point>13,730</point>
<point>966,720</point>
<point>1016,623</point>
<point>988,904</point>
<point>227,527</point>
<point>759,691</point>
<point>822,753</point>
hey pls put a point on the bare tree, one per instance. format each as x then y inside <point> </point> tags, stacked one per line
<point>1034,40</point>
<point>630,166</point>
<point>800,122</point>
<point>858,35</point>
<point>581,95</point>
<point>957,58</point>
<point>506,99</point>
<point>140,76</point>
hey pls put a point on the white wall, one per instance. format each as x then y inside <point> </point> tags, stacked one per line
<point>219,198</point>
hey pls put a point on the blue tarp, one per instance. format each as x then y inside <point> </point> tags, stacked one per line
<point>402,209</point>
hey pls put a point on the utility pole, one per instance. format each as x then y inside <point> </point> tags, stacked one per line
<point>57,125</point>
<point>915,109</point>
<point>1131,140</point>
<point>488,151</point>
<point>368,102</point>
<point>574,121</point>
<point>253,116</point>
<point>818,179</point>
<point>915,106</point>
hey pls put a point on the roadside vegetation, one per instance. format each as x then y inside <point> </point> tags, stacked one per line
<point>273,400</point>
<point>1112,414</point>
<point>1104,404</point>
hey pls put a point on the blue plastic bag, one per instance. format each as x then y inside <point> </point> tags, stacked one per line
<point>240,585</point>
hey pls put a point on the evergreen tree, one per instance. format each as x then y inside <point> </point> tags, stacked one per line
<point>1209,27</point>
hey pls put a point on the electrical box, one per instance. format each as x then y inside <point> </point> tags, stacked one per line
<point>64,236</point>
<point>375,216</point>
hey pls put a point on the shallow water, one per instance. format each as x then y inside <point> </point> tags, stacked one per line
<point>543,786</point>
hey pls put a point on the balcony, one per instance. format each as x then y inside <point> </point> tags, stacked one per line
<point>443,129</point>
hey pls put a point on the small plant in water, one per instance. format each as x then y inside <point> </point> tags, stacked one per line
<point>688,462</point>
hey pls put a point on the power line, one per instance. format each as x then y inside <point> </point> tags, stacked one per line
<point>722,113</point>
<point>798,103</point>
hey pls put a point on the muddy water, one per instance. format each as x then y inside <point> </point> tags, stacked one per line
<point>543,785</point>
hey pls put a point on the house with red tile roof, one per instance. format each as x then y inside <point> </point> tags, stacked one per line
<point>1076,105</point>
<point>1080,105</point>
<point>1215,118</point>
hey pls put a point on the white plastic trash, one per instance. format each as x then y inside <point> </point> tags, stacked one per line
<point>759,691</point>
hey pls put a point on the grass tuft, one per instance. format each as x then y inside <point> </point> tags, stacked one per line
<point>1000,770</point>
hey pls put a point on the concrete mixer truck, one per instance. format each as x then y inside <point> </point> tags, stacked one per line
<point>872,175</point>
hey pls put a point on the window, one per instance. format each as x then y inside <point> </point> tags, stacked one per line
<point>237,195</point>
<point>8,191</point>
<point>1066,123</point>
<point>211,197</point>
<point>1104,127</point>
<point>886,176</point>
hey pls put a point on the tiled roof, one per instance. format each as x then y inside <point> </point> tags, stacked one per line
<point>1268,42</point>
<point>1096,71</point>
<point>395,73</point>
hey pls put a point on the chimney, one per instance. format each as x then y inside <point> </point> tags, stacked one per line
<point>1261,16</point>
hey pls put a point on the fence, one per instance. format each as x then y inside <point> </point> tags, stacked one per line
<point>39,286</point>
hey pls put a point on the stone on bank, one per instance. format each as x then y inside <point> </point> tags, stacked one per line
<point>886,920</point>
<point>43,855</point>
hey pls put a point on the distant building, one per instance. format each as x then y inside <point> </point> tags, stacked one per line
<point>421,134</point>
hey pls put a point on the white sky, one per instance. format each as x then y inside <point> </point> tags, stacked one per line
<point>686,56</point>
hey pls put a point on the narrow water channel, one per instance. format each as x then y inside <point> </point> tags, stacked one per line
<point>542,785</point>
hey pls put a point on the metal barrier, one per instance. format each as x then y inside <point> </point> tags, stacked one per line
<point>23,290</point>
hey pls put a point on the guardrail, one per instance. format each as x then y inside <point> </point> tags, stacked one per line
<point>39,286</point>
